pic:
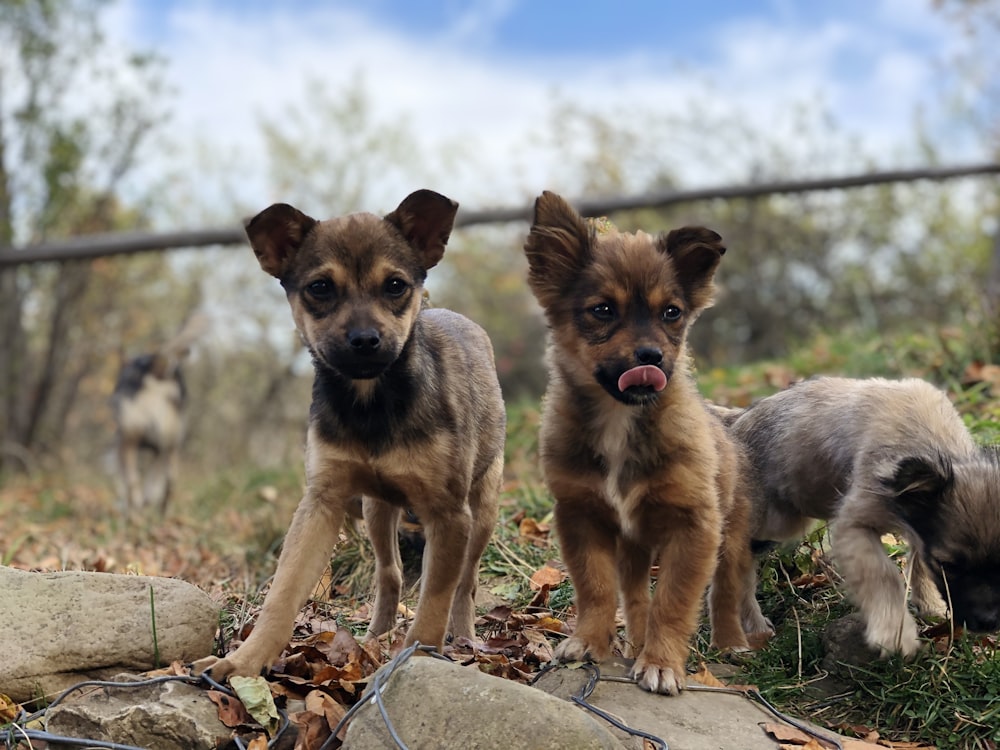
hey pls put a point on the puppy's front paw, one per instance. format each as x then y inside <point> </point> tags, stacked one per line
<point>578,649</point>
<point>204,665</point>
<point>658,678</point>
<point>220,669</point>
<point>756,624</point>
<point>889,639</point>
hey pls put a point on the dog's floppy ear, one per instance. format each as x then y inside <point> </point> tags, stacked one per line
<point>275,234</point>
<point>914,485</point>
<point>696,252</point>
<point>558,245</point>
<point>425,219</point>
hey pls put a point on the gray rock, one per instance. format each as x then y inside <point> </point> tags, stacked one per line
<point>57,629</point>
<point>697,719</point>
<point>435,704</point>
<point>845,646</point>
<point>165,716</point>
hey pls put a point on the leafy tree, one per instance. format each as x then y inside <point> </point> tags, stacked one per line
<point>874,260</point>
<point>978,97</point>
<point>331,155</point>
<point>73,117</point>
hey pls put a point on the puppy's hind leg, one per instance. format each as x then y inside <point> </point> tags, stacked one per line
<point>128,462</point>
<point>751,616</point>
<point>448,529</point>
<point>159,478</point>
<point>873,581</point>
<point>484,502</point>
<point>382,522</point>
<point>728,595</point>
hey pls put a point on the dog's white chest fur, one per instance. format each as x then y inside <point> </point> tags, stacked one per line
<point>614,432</point>
<point>152,413</point>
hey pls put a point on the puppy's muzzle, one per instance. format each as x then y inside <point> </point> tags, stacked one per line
<point>364,342</point>
<point>365,355</point>
<point>648,355</point>
<point>981,619</point>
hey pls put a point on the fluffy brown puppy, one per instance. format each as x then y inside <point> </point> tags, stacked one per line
<point>639,468</point>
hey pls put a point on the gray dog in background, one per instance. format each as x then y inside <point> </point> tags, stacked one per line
<point>148,403</point>
<point>876,456</point>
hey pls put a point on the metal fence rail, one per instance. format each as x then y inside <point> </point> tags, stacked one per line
<point>119,243</point>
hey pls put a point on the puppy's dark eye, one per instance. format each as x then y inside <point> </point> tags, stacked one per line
<point>671,314</point>
<point>396,287</point>
<point>320,289</point>
<point>603,311</point>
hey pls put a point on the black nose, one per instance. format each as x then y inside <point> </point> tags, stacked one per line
<point>648,355</point>
<point>364,341</point>
<point>983,621</point>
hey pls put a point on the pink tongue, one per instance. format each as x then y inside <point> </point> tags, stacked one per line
<point>644,375</point>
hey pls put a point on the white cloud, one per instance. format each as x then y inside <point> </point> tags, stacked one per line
<point>228,67</point>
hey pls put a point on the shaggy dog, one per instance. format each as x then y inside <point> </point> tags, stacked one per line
<point>640,470</point>
<point>877,456</point>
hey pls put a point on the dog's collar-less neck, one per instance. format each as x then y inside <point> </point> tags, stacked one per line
<point>373,415</point>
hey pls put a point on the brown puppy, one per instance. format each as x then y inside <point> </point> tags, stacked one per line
<point>877,456</point>
<point>639,469</point>
<point>406,411</point>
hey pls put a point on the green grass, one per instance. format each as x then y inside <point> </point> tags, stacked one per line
<point>951,697</point>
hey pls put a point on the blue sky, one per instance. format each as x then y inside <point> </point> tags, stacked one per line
<point>483,72</point>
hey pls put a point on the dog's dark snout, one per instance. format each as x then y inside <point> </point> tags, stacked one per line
<point>983,620</point>
<point>364,341</point>
<point>648,355</point>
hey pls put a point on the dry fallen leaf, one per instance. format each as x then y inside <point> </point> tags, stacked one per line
<point>705,677</point>
<point>232,713</point>
<point>255,692</point>
<point>785,733</point>
<point>324,705</point>
<point>546,575</point>
<point>8,709</point>
<point>313,729</point>
<point>534,532</point>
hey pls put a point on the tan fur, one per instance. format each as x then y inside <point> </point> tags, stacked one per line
<point>406,412</point>
<point>636,478</point>
<point>148,404</point>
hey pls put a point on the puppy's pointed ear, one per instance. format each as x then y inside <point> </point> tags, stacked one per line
<point>696,252</point>
<point>275,234</point>
<point>425,219</point>
<point>558,246</point>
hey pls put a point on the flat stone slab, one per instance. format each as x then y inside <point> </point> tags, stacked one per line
<point>693,720</point>
<point>434,704</point>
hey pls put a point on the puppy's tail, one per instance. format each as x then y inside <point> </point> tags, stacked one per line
<point>172,353</point>
<point>726,414</point>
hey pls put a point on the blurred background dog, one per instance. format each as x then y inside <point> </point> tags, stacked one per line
<point>148,403</point>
